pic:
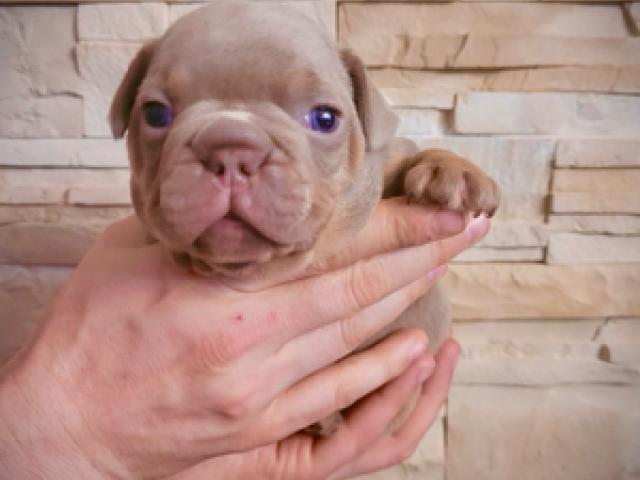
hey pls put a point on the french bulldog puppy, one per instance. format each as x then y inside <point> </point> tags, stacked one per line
<point>258,147</point>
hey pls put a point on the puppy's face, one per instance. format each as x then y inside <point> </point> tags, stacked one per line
<point>246,147</point>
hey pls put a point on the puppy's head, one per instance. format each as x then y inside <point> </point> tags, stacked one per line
<point>247,133</point>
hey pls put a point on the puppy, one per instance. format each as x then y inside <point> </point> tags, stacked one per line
<point>257,147</point>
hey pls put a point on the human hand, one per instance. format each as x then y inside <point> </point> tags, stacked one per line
<point>362,443</point>
<point>142,369</point>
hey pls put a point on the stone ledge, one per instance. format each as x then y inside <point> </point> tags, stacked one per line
<point>603,224</point>
<point>580,248</point>
<point>576,432</point>
<point>46,243</point>
<point>609,202</point>
<point>504,291</point>
<point>598,152</point>
<point>62,153</point>
<point>547,113</point>
<point>122,21</point>
<point>596,181</point>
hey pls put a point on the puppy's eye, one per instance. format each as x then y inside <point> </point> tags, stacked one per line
<point>157,115</point>
<point>323,119</point>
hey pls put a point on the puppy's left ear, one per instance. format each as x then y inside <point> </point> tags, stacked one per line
<point>125,96</point>
<point>378,121</point>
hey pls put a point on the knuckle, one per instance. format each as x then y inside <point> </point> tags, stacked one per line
<point>349,335</point>
<point>221,348</point>
<point>406,232</point>
<point>366,282</point>
<point>239,402</point>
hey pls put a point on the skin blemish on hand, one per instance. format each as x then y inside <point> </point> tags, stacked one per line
<point>238,317</point>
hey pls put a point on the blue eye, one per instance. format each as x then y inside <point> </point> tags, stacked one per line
<point>157,115</point>
<point>323,119</point>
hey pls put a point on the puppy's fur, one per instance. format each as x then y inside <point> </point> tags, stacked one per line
<point>238,184</point>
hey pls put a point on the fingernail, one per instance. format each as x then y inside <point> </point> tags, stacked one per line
<point>417,348</point>
<point>425,368</point>
<point>477,228</point>
<point>436,273</point>
<point>448,223</point>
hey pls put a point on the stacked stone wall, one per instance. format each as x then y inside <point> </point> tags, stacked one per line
<point>543,95</point>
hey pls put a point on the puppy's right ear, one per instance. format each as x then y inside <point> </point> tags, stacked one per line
<point>128,89</point>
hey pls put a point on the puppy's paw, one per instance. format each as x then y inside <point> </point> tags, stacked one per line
<point>443,179</point>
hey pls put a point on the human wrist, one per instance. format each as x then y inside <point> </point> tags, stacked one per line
<point>34,440</point>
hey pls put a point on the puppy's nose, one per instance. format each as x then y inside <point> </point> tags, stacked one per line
<point>232,148</point>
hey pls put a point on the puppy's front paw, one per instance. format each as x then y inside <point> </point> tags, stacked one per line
<point>443,179</point>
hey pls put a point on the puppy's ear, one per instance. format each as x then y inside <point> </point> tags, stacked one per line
<point>378,121</point>
<point>125,96</point>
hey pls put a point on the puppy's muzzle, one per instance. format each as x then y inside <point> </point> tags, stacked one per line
<point>233,150</point>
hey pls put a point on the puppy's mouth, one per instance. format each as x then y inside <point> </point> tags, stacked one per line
<point>234,244</point>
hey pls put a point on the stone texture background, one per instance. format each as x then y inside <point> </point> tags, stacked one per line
<point>545,96</point>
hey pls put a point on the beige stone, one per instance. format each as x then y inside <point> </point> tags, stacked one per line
<point>50,116</point>
<point>416,121</point>
<point>31,65</point>
<point>598,152</point>
<point>119,195</point>
<point>102,66</point>
<point>323,11</point>
<point>502,255</point>
<point>504,291</point>
<point>426,463</point>
<point>580,248</point>
<point>616,203</point>
<point>496,51</point>
<point>25,294</point>
<point>633,10</point>
<point>547,113</point>
<point>61,213</point>
<point>622,339</point>
<point>480,19</point>
<point>437,89</point>
<point>562,433</point>
<point>515,234</point>
<point>596,180</point>
<point>41,186</point>
<point>608,224</point>
<point>62,153</point>
<point>46,243</point>
<point>548,330</point>
<point>122,21</point>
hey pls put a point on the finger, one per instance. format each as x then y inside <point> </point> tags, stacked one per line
<point>370,418</point>
<point>332,342</point>
<point>337,295</point>
<point>394,224</point>
<point>341,384</point>
<point>396,447</point>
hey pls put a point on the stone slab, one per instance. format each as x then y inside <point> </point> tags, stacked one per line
<point>548,330</point>
<point>609,202</point>
<point>547,113</point>
<point>500,255</point>
<point>598,152</point>
<point>562,433</point>
<point>581,248</point>
<point>31,65</point>
<point>102,66</point>
<point>601,180</point>
<point>603,224</point>
<point>46,243</point>
<point>481,19</point>
<point>49,116</point>
<point>515,234</point>
<point>415,121</point>
<point>495,51</point>
<point>62,153</point>
<point>517,291</point>
<point>61,214</point>
<point>122,21</point>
